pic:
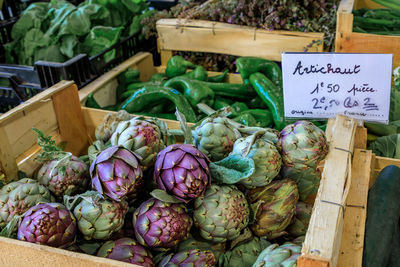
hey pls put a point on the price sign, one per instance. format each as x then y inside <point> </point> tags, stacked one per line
<point>322,85</point>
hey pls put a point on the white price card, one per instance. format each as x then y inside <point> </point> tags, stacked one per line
<point>322,85</point>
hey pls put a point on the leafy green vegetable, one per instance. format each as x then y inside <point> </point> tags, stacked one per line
<point>387,146</point>
<point>101,38</point>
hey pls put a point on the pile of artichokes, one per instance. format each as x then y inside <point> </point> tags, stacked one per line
<point>228,197</point>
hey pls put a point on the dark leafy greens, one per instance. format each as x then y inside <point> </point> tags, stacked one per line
<point>57,31</point>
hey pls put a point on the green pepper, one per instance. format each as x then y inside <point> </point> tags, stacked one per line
<point>177,66</point>
<point>152,95</point>
<point>249,65</point>
<point>219,78</point>
<point>157,115</point>
<point>159,108</point>
<point>112,107</point>
<point>158,77</point>
<point>273,97</point>
<point>91,102</point>
<point>237,108</point>
<point>241,91</point>
<point>195,91</point>
<point>125,78</point>
<point>246,119</point>
<point>199,73</point>
<point>257,103</point>
<point>220,102</point>
<point>262,116</point>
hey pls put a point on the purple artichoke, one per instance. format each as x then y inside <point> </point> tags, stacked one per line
<point>48,224</point>
<point>161,225</point>
<point>126,250</point>
<point>182,170</point>
<point>116,173</point>
<point>193,257</point>
<point>67,176</point>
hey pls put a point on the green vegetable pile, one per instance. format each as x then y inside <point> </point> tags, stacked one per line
<point>384,140</point>
<point>377,21</point>
<point>258,101</point>
<point>57,31</point>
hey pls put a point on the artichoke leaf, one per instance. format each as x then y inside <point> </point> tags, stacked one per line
<point>164,196</point>
<point>232,169</point>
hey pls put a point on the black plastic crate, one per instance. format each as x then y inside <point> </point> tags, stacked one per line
<point>163,4</point>
<point>25,81</point>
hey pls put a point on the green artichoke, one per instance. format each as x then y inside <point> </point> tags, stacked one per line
<point>199,243</point>
<point>274,206</point>
<point>307,181</point>
<point>301,219</point>
<point>97,217</point>
<point>215,137</point>
<point>245,254</point>
<point>110,122</point>
<point>194,257</point>
<point>17,197</point>
<point>303,145</point>
<point>140,136</point>
<point>222,213</point>
<point>299,240</point>
<point>265,155</point>
<point>275,255</point>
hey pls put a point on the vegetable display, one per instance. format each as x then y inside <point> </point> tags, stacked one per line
<point>180,208</point>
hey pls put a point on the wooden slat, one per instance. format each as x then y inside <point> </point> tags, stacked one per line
<point>323,236</point>
<point>370,43</point>
<point>360,139</point>
<point>70,120</point>
<point>15,253</point>
<point>216,37</point>
<point>351,250</point>
<point>346,6</point>
<point>104,88</point>
<point>366,4</point>
<point>310,261</point>
<point>8,164</point>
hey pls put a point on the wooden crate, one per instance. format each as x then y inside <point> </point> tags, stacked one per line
<point>57,111</point>
<point>224,38</point>
<point>348,41</point>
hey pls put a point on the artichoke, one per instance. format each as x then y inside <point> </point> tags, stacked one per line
<point>48,224</point>
<point>301,219</point>
<point>67,176</point>
<point>110,123</point>
<point>126,250</point>
<point>299,240</point>
<point>116,173</point>
<point>222,213</point>
<point>182,171</point>
<point>140,136</point>
<point>97,217</point>
<point>199,243</point>
<point>17,197</point>
<point>193,257</point>
<point>303,145</point>
<point>245,254</point>
<point>307,181</point>
<point>275,207</point>
<point>265,155</point>
<point>275,255</point>
<point>215,137</point>
<point>161,225</point>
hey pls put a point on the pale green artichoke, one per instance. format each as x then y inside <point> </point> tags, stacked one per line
<point>222,213</point>
<point>265,155</point>
<point>307,181</point>
<point>193,257</point>
<point>199,243</point>
<point>110,122</point>
<point>301,219</point>
<point>97,217</point>
<point>17,197</point>
<point>140,136</point>
<point>275,255</point>
<point>275,206</point>
<point>215,137</point>
<point>303,145</point>
<point>245,254</point>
